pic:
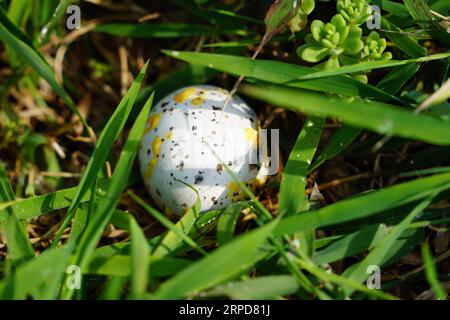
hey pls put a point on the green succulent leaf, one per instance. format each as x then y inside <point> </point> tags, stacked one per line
<point>355,12</point>
<point>317,28</point>
<point>307,6</point>
<point>374,47</point>
<point>312,53</point>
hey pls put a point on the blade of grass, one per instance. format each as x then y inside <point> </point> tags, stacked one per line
<point>376,116</point>
<point>119,265</point>
<point>280,73</point>
<point>338,142</point>
<point>176,232</point>
<point>18,244</point>
<point>163,30</point>
<point>357,272</point>
<point>222,264</point>
<point>35,60</point>
<point>31,277</point>
<point>102,149</point>
<point>364,205</point>
<point>421,13</point>
<point>36,206</point>
<point>140,261</point>
<point>402,41</point>
<point>293,181</point>
<point>431,273</point>
<point>91,236</point>
<point>260,288</point>
<point>341,281</point>
<point>370,65</point>
<point>397,77</point>
<point>113,288</point>
<point>227,223</point>
<point>351,244</point>
<point>346,134</point>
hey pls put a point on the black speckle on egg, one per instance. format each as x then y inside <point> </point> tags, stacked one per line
<point>198,179</point>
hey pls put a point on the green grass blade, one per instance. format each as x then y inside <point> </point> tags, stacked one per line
<point>52,19</point>
<point>106,205</point>
<point>345,135</point>
<point>421,13</point>
<point>280,73</point>
<point>402,41</point>
<point>36,206</point>
<point>35,60</point>
<point>33,276</point>
<point>121,173</point>
<point>227,223</point>
<point>140,260</point>
<point>293,181</point>
<point>118,265</point>
<point>338,142</point>
<point>376,116</point>
<point>370,65</point>
<point>162,30</point>
<point>341,281</point>
<point>358,272</point>
<point>13,29</point>
<point>177,233</point>
<point>397,77</point>
<point>113,289</point>
<point>109,134</point>
<point>260,288</point>
<point>431,273</point>
<point>18,244</point>
<point>365,205</point>
<point>351,244</point>
<point>222,264</point>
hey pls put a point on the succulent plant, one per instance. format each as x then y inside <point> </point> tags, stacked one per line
<point>331,40</point>
<point>374,47</point>
<point>355,12</point>
<point>300,19</point>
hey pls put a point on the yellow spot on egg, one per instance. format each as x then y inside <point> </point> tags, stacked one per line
<point>156,147</point>
<point>153,121</point>
<point>169,135</point>
<point>198,101</point>
<point>235,192</point>
<point>251,135</point>
<point>185,94</point>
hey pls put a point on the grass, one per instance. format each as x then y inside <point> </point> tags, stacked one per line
<point>365,166</point>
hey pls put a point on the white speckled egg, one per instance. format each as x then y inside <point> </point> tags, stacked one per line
<point>186,135</point>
